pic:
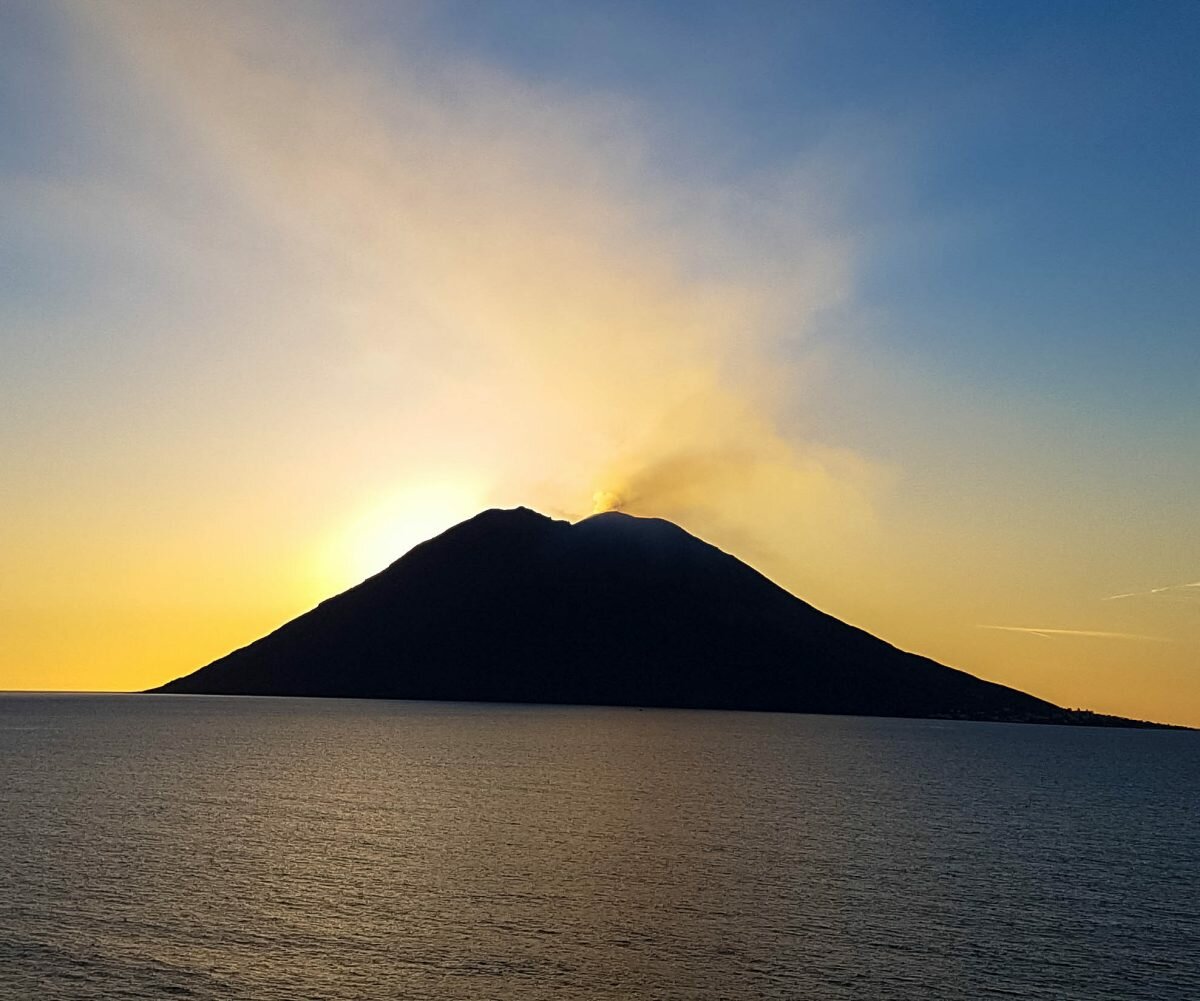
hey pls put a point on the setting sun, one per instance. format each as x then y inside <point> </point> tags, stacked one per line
<point>385,532</point>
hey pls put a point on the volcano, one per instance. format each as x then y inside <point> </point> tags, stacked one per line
<point>513,606</point>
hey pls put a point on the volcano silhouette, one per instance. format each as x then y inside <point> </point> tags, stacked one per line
<point>512,606</point>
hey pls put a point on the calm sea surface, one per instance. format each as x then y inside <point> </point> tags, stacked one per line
<point>191,847</point>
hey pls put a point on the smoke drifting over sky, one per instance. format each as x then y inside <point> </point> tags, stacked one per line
<point>559,318</point>
<point>849,292</point>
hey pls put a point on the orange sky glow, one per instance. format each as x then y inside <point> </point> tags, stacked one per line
<point>350,296</point>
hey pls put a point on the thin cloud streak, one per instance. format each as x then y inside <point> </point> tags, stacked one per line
<point>1171,589</point>
<point>1046,633</point>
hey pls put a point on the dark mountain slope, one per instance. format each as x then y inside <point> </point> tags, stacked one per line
<point>514,606</point>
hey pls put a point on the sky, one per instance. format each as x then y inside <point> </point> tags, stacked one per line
<point>896,302</point>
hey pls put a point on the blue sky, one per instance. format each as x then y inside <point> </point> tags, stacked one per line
<point>1026,173</point>
<point>1037,160</point>
<point>1026,170</point>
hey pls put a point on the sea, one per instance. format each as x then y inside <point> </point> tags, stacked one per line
<point>221,847</point>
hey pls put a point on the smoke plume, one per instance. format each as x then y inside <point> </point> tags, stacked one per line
<point>559,311</point>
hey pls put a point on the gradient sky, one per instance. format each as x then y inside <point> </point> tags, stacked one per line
<point>898,302</point>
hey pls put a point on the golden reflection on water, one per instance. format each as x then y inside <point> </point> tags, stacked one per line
<point>279,848</point>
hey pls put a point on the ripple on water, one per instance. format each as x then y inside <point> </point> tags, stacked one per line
<point>216,848</point>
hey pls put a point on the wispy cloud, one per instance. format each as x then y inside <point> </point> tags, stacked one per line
<point>570,318</point>
<point>1191,590</point>
<point>1046,633</point>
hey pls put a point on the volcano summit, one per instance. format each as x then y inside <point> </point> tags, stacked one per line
<point>513,606</point>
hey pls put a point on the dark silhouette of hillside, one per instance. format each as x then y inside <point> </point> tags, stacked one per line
<point>512,606</point>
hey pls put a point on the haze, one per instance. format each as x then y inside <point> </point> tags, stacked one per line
<point>896,303</point>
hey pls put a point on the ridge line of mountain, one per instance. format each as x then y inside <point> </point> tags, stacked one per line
<point>513,606</point>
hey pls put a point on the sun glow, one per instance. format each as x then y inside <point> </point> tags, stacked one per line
<point>383,533</point>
